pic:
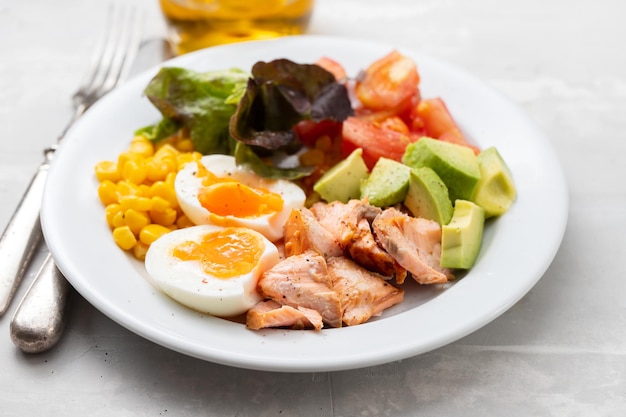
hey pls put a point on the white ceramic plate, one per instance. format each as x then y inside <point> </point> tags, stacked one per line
<point>517,248</point>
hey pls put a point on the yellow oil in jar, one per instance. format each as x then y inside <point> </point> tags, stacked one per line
<point>197,24</point>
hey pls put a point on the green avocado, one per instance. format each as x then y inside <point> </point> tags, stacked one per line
<point>461,239</point>
<point>456,165</point>
<point>342,182</point>
<point>387,184</point>
<point>427,196</point>
<point>495,191</point>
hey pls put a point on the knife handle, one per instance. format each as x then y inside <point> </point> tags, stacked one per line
<point>39,319</point>
<point>20,238</point>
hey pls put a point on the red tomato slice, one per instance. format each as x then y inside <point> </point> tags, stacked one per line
<point>401,119</point>
<point>438,122</point>
<point>375,140</point>
<point>388,83</point>
<point>396,124</point>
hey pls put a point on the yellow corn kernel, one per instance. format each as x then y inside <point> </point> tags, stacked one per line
<point>170,163</point>
<point>157,169</point>
<point>136,220</point>
<point>312,157</point>
<point>184,158</point>
<point>152,232</point>
<point>183,221</point>
<point>140,250</point>
<point>144,190</point>
<point>107,192</point>
<point>171,177</point>
<point>165,217</point>
<point>118,219</point>
<point>153,171</point>
<point>141,146</point>
<point>134,171</point>
<point>159,203</point>
<point>135,202</point>
<point>107,170</point>
<point>194,156</point>
<point>165,150</point>
<point>124,237</point>
<point>110,212</point>
<point>184,145</point>
<point>127,188</point>
<point>324,143</point>
<point>166,191</point>
<point>123,158</point>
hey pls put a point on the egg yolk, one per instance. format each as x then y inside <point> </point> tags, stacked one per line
<point>229,197</point>
<point>226,253</point>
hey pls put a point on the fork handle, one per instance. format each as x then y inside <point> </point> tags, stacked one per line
<point>20,238</point>
<point>38,322</point>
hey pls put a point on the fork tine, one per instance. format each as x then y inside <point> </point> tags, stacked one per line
<point>101,54</point>
<point>126,48</point>
<point>134,42</point>
<point>115,51</point>
<point>110,51</point>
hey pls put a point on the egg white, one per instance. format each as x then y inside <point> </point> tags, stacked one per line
<point>188,284</point>
<point>188,185</point>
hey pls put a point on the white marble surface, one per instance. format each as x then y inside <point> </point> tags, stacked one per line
<point>560,351</point>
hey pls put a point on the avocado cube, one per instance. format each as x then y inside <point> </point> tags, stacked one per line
<point>461,239</point>
<point>387,184</point>
<point>456,165</point>
<point>495,191</point>
<point>427,196</point>
<point>342,182</point>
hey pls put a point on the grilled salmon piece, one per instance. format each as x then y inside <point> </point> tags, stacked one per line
<point>415,243</point>
<point>303,281</point>
<point>269,313</point>
<point>363,294</point>
<point>350,223</point>
<point>303,232</point>
<point>365,251</point>
<point>342,219</point>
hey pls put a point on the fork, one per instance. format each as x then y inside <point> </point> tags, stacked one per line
<point>36,327</point>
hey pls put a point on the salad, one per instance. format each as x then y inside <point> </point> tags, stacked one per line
<point>297,196</point>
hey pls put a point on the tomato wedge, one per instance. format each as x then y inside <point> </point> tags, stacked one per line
<point>439,124</point>
<point>375,140</point>
<point>388,83</point>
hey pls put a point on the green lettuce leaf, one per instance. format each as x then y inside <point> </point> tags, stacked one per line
<point>159,131</point>
<point>202,102</point>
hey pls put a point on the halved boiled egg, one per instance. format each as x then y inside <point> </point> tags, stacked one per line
<point>216,191</point>
<point>211,269</point>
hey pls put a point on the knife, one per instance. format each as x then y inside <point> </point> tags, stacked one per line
<point>39,320</point>
<point>21,237</point>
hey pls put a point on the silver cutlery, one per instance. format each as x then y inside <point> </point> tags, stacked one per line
<point>38,321</point>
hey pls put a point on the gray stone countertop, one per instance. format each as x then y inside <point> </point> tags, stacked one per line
<point>559,351</point>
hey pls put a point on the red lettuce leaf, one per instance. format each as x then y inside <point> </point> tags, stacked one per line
<point>282,93</point>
